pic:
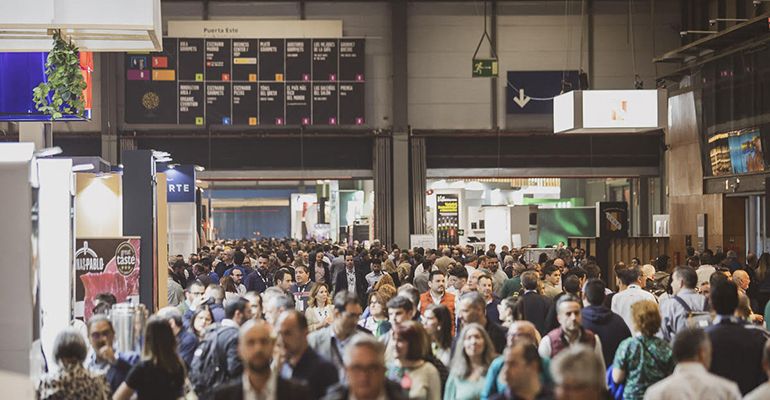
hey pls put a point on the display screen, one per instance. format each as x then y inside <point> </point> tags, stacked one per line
<point>736,152</point>
<point>247,82</point>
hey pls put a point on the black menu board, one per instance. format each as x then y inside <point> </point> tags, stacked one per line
<point>259,81</point>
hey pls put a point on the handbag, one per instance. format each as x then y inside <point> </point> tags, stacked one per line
<point>615,389</point>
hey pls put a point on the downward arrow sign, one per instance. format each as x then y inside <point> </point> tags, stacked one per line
<point>522,100</point>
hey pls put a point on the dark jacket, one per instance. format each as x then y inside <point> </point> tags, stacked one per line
<point>361,285</point>
<point>609,326</point>
<point>285,390</point>
<point>257,281</point>
<point>536,308</point>
<point>316,371</point>
<point>115,373</point>
<point>393,391</point>
<point>227,346</point>
<point>187,342</point>
<point>737,351</point>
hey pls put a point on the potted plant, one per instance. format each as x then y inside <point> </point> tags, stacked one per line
<point>64,83</point>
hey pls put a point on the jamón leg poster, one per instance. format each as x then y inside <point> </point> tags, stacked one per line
<point>105,265</point>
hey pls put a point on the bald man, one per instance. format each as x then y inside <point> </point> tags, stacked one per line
<point>256,343</point>
<point>742,280</point>
<point>518,331</point>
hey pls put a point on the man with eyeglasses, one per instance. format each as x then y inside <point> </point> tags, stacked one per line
<point>330,342</point>
<point>237,275</point>
<point>106,360</point>
<point>365,368</point>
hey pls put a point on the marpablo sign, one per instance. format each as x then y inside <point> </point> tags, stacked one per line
<point>105,265</point>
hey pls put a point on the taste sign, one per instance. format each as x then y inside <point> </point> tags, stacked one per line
<point>181,184</point>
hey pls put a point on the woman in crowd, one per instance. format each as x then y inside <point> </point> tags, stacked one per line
<point>420,378</point>
<point>470,364</point>
<point>390,268</point>
<point>202,318</point>
<point>228,284</point>
<point>377,321</point>
<point>385,279</point>
<point>71,381</point>
<point>511,309</point>
<point>319,311</point>
<point>763,282</point>
<point>643,360</point>
<point>161,373</point>
<point>387,290</point>
<point>438,324</point>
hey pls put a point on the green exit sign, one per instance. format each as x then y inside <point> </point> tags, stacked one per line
<point>484,68</point>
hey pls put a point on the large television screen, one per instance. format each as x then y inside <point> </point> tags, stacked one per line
<point>736,152</point>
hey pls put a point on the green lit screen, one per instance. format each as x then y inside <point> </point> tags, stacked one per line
<point>555,225</point>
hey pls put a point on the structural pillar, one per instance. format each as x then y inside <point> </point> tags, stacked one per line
<point>109,105</point>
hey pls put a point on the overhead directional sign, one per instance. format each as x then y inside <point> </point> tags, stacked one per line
<point>485,68</point>
<point>526,90</point>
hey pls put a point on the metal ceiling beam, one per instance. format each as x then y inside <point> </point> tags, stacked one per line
<point>598,172</point>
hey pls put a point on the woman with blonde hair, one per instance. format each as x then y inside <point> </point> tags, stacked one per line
<point>644,360</point>
<point>319,313</point>
<point>161,373</point>
<point>470,364</point>
<point>390,268</point>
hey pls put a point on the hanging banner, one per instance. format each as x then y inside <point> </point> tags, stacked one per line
<point>448,219</point>
<point>612,219</point>
<point>108,265</point>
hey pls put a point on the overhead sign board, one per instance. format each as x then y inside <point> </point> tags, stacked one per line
<point>180,182</point>
<point>610,111</point>
<point>256,29</point>
<point>485,68</point>
<point>542,86</point>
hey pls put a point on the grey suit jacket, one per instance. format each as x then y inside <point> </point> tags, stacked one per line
<point>322,342</point>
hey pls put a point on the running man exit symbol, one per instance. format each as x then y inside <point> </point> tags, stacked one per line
<point>484,68</point>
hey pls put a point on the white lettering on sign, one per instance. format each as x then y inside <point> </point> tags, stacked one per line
<point>179,188</point>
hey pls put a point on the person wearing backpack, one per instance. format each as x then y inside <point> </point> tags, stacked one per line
<point>686,308</point>
<point>216,360</point>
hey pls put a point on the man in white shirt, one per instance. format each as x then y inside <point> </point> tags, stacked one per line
<point>630,293</point>
<point>470,264</point>
<point>498,276</point>
<point>691,379</point>
<point>704,269</point>
<point>762,391</point>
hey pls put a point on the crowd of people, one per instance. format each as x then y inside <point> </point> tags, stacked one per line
<point>288,319</point>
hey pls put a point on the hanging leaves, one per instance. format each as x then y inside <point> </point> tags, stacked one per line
<point>64,82</point>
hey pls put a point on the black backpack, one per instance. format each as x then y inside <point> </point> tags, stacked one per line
<point>207,368</point>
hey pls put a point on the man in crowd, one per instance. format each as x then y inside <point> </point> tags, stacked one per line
<point>763,391</point>
<point>513,285</point>
<point>535,305</point>
<point>484,288</point>
<point>598,319</point>
<point>226,263</point>
<point>330,341</point>
<point>275,305</point>
<point>175,289</point>
<point>255,344</point>
<point>472,308</point>
<point>105,360</point>
<point>732,261</point>
<point>202,274</point>
<point>498,276</point>
<point>471,262</point>
<point>238,311</point>
<point>691,379</point>
<point>362,262</point>
<point>301,289</point>
<point>365,369</point>
<point>552,280</point>
<point>260,279</point>
<point>737,344</point>
<point>675,314</point>
<point>194,290</point>
<point>522,373</point>
<point>237,275</point>
<point>630,293</point>
<point>352,280</point>
<point>579,374</point>
<point>438,294</point>
<point>571,331</point>
<point>301,363</point>
<point>338,264</point>
<point>443,262</point>
<point>458,277</point>
<point>283,280</point>
<point>186,341</point>
<point>238,263</point>
<point>373,277</point>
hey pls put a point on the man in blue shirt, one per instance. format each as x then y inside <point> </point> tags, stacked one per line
<point>737,345</point>
<point>106,360</point>
<point>186,341</point>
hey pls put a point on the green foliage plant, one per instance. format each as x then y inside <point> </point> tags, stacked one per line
<point>64,80</point>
